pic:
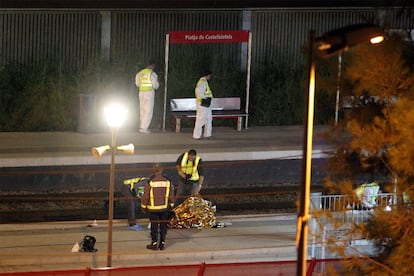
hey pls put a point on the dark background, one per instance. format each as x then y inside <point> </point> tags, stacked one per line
<point>197,3</point>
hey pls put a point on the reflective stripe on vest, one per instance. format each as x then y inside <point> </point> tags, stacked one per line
<point>159,184</point>
<point>209,93</point>
<point>145,80</point>
<point>190,167</point>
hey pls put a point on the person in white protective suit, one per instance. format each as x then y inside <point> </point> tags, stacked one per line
<point>147,82</point>
<point>204,117</point>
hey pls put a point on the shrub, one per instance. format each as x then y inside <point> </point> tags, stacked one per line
<point>35,99</point>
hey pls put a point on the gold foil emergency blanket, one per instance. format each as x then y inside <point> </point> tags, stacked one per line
<point>194,212</point>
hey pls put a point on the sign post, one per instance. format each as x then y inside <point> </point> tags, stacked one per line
<point>220,36</point>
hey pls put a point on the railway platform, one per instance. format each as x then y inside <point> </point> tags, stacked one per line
<point>47,246</point>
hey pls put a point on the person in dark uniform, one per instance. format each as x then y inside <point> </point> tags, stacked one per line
<point>157,201</point>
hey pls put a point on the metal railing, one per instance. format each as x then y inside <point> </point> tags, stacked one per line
<point>337,203</point>
<point>334,221</point>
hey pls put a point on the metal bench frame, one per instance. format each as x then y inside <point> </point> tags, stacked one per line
<point>223,108</point>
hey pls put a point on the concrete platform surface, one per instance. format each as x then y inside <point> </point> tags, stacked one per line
<point>47,246</point>
<point>22,149</point>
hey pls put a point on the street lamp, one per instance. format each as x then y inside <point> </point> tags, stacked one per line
<point>115,116</point>
<point>328,44</point>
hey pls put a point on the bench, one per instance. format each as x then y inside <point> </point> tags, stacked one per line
<point>222,108</point>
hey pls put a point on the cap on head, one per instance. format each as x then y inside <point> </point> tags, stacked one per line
<point>192,152</point>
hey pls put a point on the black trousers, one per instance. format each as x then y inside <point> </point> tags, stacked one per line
<point>185,189</point>
<point>132,204</point>
<point>159,221</point>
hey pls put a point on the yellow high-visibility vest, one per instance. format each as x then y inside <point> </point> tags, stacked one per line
<point>145,80</point>
<point>209,93</point>
<point>132,181</point>
<point>190,167</point>
<point>361,189</point>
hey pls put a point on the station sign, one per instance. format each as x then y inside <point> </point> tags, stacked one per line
<point>208,36</point>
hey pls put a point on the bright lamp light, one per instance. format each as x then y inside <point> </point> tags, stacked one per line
<point>377,39</point>
<point>115,115</point>
<point>332,42</point>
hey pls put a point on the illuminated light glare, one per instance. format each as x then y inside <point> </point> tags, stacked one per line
<point>324,46</point>
<point>115,115</point>
<point>377,39</point>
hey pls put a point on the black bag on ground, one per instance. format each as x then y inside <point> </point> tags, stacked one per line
<point>206,102</point>
<point>88,244</point>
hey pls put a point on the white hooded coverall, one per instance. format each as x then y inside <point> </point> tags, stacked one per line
<point>204,114</point>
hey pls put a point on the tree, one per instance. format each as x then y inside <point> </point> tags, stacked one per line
<point>374,140</point>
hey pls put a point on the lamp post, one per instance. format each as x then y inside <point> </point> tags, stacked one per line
<point>115,116</point>
<point>338,87</point>
<point>328,44</point>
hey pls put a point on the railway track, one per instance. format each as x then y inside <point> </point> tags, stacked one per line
<point>90,206</point>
